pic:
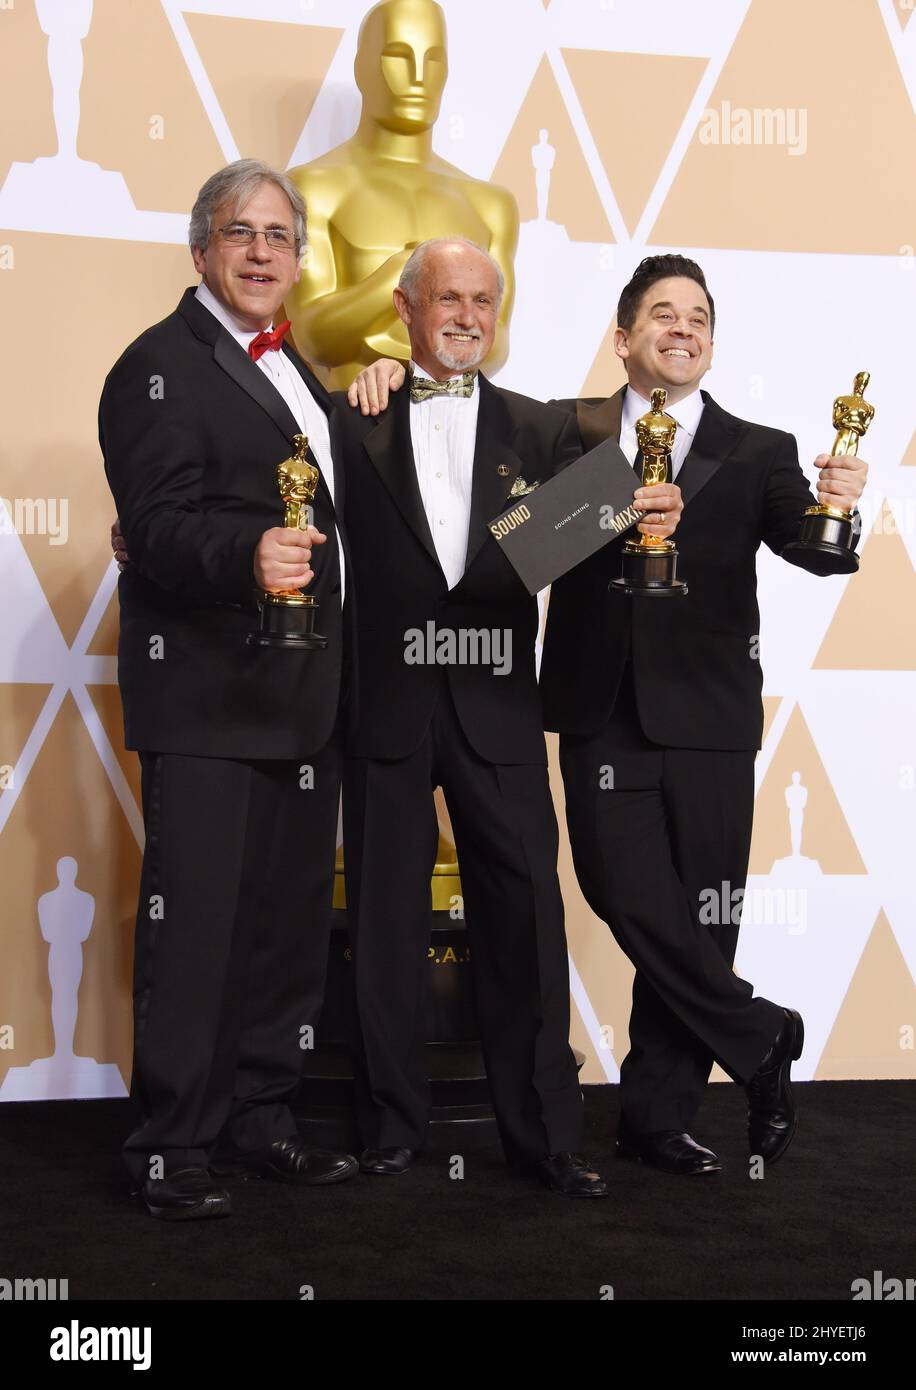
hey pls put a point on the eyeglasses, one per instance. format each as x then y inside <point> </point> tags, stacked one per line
<point>238,234</point>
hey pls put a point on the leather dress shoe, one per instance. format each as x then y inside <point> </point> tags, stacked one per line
<point>668,1150</point>
<point>387,1161</point>
<point>188,1194</point>
<point>771,1115</point>
<point>291,1160</point>
<point>571,1175</point>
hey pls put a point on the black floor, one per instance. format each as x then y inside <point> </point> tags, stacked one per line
<point>838,1207</point>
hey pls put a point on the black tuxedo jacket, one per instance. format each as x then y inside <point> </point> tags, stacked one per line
<point>695,660</point>
<point>192,432</point>
<point>400,585</point>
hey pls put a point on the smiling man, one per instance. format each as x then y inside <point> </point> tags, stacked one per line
<point>238,745</point>
<point>659,711</point>
<point>424,480</point>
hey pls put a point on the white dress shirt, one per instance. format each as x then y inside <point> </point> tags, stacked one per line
<point>443,431</point>
<point>687,413</point>
<point>306,411</point>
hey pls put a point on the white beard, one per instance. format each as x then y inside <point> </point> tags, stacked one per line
<point>456,360</point>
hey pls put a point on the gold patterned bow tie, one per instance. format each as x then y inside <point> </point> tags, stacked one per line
<point>422,387</point>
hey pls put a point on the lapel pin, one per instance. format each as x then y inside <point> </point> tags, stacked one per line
<point>503,470</point>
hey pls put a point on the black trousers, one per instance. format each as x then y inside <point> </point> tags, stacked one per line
<point>651,829</point>
<point>231,949</point>
<point>506,837</point>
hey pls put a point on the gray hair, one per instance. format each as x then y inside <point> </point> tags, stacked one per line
<point>412,274</point>
<point>236,184</point>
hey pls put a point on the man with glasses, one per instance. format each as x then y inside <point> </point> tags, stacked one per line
<point>239,744</point>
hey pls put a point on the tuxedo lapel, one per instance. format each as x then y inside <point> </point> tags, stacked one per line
<point>235,363</point>
<point>600,422</point>
<point>326,402</point>
<point>716,438</point>
<point>228,355</point>
<point>492,451</point>
<point>230,358</point>
<point>390,448</point>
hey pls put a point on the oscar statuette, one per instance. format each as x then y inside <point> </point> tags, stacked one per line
<point>288,615</point>
<point>825,537</point>
<point>648,564</point>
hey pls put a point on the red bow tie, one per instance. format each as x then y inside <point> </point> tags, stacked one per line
<point>267,342</point>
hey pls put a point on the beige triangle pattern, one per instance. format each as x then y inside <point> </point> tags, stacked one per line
<point>105,638</point>
<point>54,273</point>
<point>872,1037</point>
<point>266,77</point>
<point>611,87</point>
<point>904,11</point>
<point>135,73</point>
<point>607,373</point>
<point>834,197</point>
<point>826,837</point>
<point>872,628</point>
<point>19,708</point>
<point>909,458</point>
<point>771,705</point>
<point>26,120</point>
<point>107,702</point>
<point>572,187</point>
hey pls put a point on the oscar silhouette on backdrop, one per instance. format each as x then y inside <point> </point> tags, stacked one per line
<point>65,916</point>
<point>796,865</point>
<point>543,156</point>
<point>52,180</point>
<point>377,196</point>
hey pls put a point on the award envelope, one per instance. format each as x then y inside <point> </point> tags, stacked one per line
<point>555,525</point>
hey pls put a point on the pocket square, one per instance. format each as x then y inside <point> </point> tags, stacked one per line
<point>521,489</point>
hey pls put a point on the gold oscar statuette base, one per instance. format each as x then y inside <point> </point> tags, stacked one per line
<point>649,571</point>
<point>288,622</point>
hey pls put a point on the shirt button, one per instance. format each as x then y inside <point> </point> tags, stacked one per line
<point>442,521</point>
<point>437,427</point>
<point>438,475</point>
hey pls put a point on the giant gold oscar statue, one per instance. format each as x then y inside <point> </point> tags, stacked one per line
<point>374,198</point>
<point>370,202</point>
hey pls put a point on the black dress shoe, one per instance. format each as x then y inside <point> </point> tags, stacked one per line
<point>570,1175</point>
<point>668,1150</point>
<point>188,1194</point>
<point>291,1160</point>
<point>771,1115</point>
<point>387,1161</point>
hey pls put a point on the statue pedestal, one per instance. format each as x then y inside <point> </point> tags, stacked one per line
<point>63,1078</point>
<point>459,1090</point>
<point>795,869</point>
<point>52,187</point>
<point>462,1111</point>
